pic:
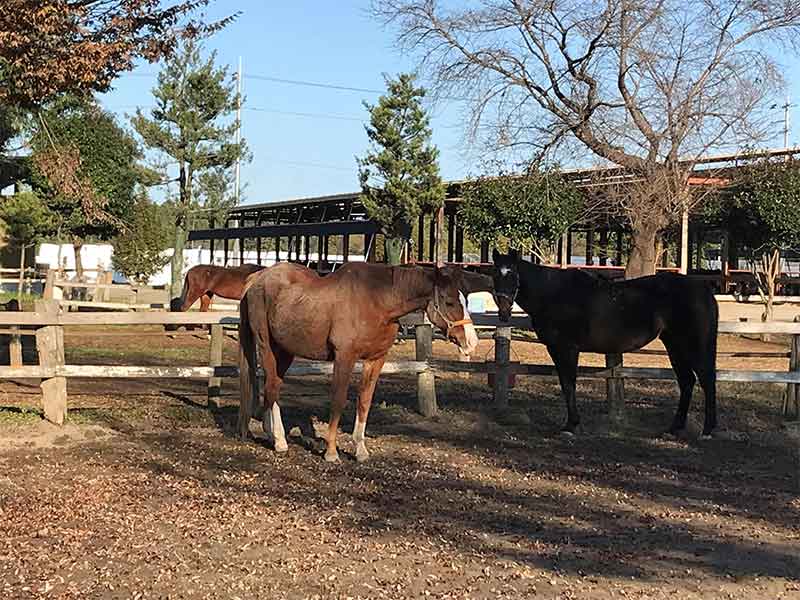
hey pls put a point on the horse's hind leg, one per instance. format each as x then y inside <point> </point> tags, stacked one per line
<point>369,378</point>
<point>682,365</point>
<point>565,359</point>
<point>342,370</point>
<point>706,369</point>
<point>273,378</point>
<point>272,420</point>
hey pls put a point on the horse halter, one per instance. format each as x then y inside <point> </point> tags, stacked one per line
<point>450,324</point>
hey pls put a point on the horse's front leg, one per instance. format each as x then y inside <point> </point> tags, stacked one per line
<point>565,359</point>
<point>369,379</point>
<point>342,370</point>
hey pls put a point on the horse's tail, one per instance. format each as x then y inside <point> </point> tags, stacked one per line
<point>247,368</point>
<point>177,304</point>
<point>713,330</point>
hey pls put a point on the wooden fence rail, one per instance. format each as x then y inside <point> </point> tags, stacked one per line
<point>49,326</point>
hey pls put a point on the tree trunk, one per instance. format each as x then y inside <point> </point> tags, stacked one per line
<point>767,280</point>
<point>77,245</point>
<point>176,263</point>
<point>181,219</point>
<point>394,249</point>
<point>642,259</point>
<point>21,280</point>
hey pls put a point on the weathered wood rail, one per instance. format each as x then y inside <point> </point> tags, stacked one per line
<point>49,323</point>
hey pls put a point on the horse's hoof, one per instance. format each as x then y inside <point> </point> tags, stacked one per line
<point>281,447</point>
<point>332,458</point>
<point>707,436</point>
<point>362,456</point>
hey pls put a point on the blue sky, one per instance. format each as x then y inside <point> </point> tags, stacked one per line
<point>297,155</point>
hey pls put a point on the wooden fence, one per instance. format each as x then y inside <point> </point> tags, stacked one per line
<point>12,276</point>
<point>100,291</point>
<point>47,324</point>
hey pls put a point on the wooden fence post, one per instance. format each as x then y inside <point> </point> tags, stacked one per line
<point>792,396</point>
<point>15,345</point>
<point>615,393</point>
<point>426,383</point>
<point>109,280</point>
<point>215,360</point>
<point>15,348</point>
<point>48,284</point>
<point>50,344</point>
<point>502,359</point>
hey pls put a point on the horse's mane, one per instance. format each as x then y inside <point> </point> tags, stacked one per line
<point>415,281</point>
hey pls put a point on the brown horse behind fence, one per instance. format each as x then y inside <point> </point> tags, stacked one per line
<point>350,315</point>
<point>206,281</point>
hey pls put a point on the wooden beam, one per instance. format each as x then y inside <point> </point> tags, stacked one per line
<point>421,237</point>
<point>603,251</point>
<point>451,238</point>
<point>287,230</point>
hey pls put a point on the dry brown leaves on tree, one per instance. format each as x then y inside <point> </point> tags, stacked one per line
<point>61,166</point>
<point>53,46</point>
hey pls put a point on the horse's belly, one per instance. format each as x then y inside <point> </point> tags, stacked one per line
<point>299,336</point>
<point>618,335</point>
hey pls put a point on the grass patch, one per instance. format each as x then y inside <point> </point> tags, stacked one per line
<point>14,416</point>
<point>26,299</point>
<point>134,357</point>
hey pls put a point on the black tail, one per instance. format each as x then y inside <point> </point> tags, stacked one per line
<point>713,332</point>
<point>708,375</point>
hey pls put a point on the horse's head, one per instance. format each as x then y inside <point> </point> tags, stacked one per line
<point>448,309</point>
<point>506,282</point>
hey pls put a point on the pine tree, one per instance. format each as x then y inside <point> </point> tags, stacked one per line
<point>191,125</point>
<point>400,175</point>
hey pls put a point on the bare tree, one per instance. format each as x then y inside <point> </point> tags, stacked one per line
<point>648,85</point>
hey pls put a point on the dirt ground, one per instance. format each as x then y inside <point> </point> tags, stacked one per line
<point>146,493</point>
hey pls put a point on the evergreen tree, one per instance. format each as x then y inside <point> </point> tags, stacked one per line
<point>399,175</point>
<point>529,212</point>
<point>191,125</point>
<point>139,251</point>
<point>27,220</point>
<point>762,212</point>
<point>86,168</point>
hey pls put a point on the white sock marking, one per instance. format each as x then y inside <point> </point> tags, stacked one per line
<point>274,428</point>
<point>358,437</point>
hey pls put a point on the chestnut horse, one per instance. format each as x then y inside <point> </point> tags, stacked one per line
<point>205,281</point>
<point>350,315</point>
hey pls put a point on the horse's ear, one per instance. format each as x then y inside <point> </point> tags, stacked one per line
<point>495,255</point>
<point>513,254</point>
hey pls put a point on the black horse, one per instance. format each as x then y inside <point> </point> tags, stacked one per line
<point>574,311</point>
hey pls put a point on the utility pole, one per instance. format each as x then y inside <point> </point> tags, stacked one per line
<point>238,120</point>
<point>786,107</point>
<point>238,139</point>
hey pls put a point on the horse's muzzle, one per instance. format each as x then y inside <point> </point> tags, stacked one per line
<point>504,307</point>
